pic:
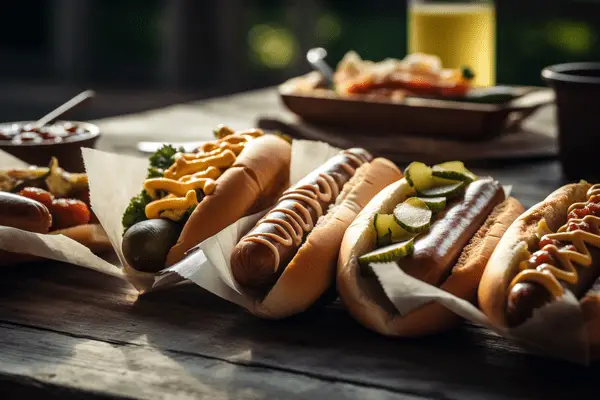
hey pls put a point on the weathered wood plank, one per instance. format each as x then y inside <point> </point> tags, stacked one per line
<point>325,345</point>
<point>54,359</point>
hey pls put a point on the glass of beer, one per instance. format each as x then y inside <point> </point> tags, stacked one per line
<point>460,32</point>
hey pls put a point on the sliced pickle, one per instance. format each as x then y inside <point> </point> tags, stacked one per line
<point>413,215</point>
<point>422,178</point>
<point>435,204</point>
<point>453,170</point>
<point>390,253</point>
<point>388,230</point>
<point>448,191</point>
<point>418,175</point>
<point>437,181</point>
<point>385,239</point>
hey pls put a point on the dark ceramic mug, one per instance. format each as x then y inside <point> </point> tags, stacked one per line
<point>577,90</point>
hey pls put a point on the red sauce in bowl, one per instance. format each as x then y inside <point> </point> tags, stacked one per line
<point>55,133</point>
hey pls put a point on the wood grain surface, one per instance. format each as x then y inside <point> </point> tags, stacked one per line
<point>67,332</point>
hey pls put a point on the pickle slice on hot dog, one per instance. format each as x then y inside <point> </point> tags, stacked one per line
<point>188,197</point>
<point>551,250</point>
<point>287,261</point>
<point>450,253</point>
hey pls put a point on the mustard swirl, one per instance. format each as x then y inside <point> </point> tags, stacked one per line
<point>299,221</point>
<point>548,275</point>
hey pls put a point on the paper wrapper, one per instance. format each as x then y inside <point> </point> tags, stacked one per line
<point>556,330</point>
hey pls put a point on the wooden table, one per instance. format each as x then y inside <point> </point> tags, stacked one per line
<point>69,332</point>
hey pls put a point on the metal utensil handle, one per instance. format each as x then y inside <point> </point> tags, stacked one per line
<point>57,112</point>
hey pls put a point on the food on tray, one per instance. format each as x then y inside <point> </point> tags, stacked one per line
<point>288,259</point>
<point>188,197</point>
<point>552,250</point>
<point>417,75</point>
<point>50,200</point>
<point>439,224</point>
<point>28,133</point>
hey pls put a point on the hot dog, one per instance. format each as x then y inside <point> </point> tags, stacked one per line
<point>551,250</point>
<point>439,225</point>
<point>189,197</point>
<point>453,229</point>
<point>287,261</point>
<point>258,259</point>
<point>47,200</point>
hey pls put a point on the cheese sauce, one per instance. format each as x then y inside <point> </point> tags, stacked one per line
<point>176,191</point>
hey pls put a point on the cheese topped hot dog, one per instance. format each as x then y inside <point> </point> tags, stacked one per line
<point>194,175</point>
<point>189,197</point>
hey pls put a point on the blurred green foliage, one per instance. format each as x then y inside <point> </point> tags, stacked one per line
<point>530,35</point>
<point>126,37</point>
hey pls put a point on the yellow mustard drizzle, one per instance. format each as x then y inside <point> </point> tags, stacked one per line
<point>210,172</point>
<point>178,188</point>
<point>237,138</point>
<point>182,167</point>
<point>158,207</point>
<point>549,276</point>
<point>194,171</point>
<point>300,221</point>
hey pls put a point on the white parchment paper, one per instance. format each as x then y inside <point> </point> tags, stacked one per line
<point>555,330</point>
<point>8,161</point>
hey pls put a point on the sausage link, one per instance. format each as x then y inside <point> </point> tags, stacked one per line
<point>24,213</point>
<point>437,251</point>
<point>261,256</point>
<point>525,297</point>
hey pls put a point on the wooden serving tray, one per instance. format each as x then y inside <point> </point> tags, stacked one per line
<point>535,139</point>
<point>417,116</point>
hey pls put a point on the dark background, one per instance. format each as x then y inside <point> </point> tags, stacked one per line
<point>141,54</point>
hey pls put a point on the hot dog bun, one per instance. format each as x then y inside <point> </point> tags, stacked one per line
<point>257,178</point>
<point>519,240</point>
<point>311,272</point>
<point>363,296</point>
